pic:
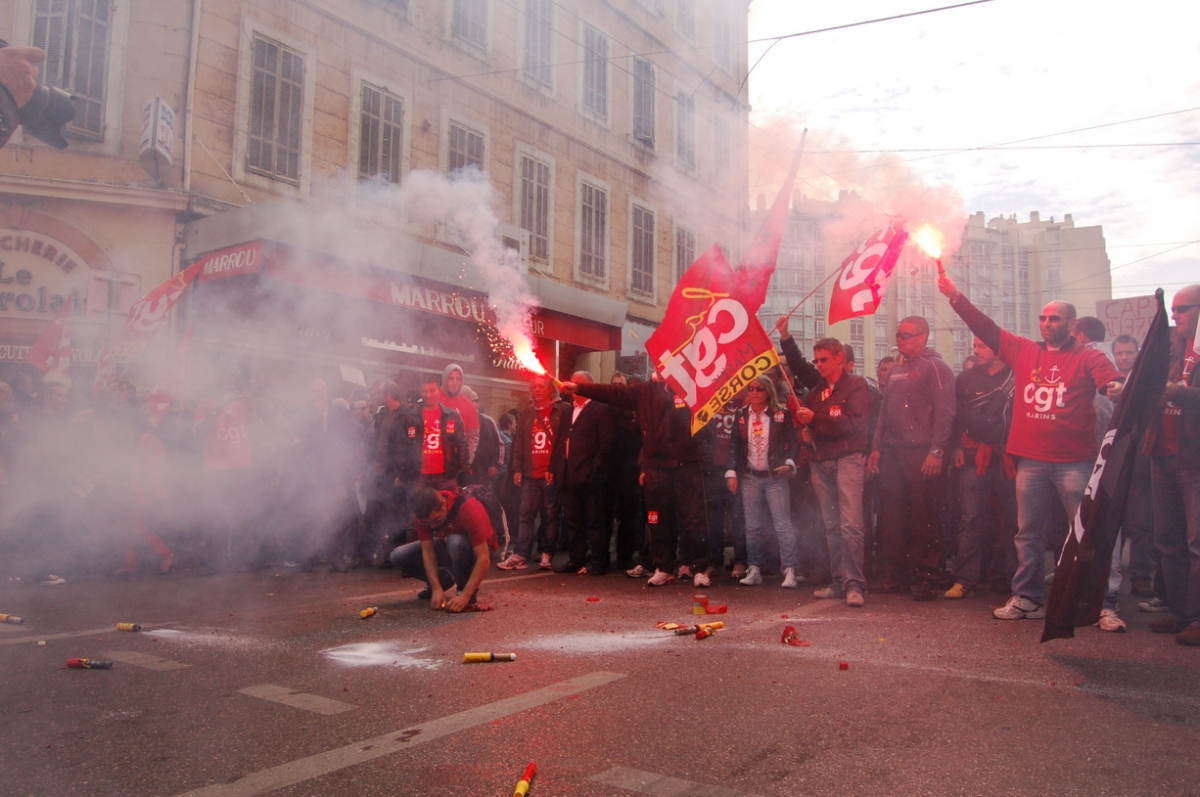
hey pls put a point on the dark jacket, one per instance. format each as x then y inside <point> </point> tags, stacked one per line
<point>583,447</point>
<point>782,442</point>
<point>841,418</point>
<point>488,452</point>
<point>665,421</point>
<point>804,373</point>
<point>454,441</point>
<point>918,405</point>
<point>522,448</point>
<point>985,403</point>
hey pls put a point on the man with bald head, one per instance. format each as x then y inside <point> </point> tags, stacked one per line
<point>1053,435</point>
<point>1175,473</point>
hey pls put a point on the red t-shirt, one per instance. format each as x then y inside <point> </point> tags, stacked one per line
<point>1166,444</point>
<point>471,519</point>
<point>433,456</point>
<point>542,443</point>
<point>1054,417</point>
<point>466,409</point>
<point>228,445</point>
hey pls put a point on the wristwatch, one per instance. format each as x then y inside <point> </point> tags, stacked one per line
<point>937,452</point>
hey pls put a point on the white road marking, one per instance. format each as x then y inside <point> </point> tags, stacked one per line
<point>145,660</point>
<point>661,785</point>
<point>315,766</point>
<point>297,699</point>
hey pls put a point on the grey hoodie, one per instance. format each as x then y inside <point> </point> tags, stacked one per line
<point>918,405</point>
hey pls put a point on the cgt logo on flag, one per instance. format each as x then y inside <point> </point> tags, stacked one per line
<point>865,273</point>
<point>710,344</point>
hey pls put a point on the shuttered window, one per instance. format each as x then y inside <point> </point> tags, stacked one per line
<point>643,102</point>
<point>535,205</point>
<point>466,148</point>
<point>642,273</point>
<point>539,25</point>
<point>685,140</point>
<point>276,111</point>
<point>468,22</point>
<point>595,73</point>
<point>75,36</point>
<point>381,136</point>
<point>593,229</point>
<point>685,251</point>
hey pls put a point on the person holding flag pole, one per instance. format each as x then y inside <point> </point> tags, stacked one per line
<point>1175,472</point>
<point>1052,438</point>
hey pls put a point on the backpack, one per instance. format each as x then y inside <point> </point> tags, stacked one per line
<point>486,497</point>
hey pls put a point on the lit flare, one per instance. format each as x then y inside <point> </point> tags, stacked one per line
<point>930,240</point>
<point>523,352</point>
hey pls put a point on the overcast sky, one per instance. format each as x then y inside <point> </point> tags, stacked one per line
<point>1004,71</point>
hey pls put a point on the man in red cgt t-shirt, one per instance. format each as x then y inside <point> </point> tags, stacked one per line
<point>1053,435</point>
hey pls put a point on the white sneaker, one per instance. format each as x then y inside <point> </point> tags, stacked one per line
<point>1110,620</point>
<point>701,580</point>
<point>753,576</point>
<point>1019,608</point>
<point>513,562</point>
<point>547,562</point>
<point>1154,605</point>
<point>637,572</point>
<point>660,578</point>
<point>789,579</point>
<point>828,593</point>
<point>685,573</point>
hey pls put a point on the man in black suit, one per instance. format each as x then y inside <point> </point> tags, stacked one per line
<point>583,449</point>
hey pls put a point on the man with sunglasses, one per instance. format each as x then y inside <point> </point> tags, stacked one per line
<point>836,421</point>
<point>908,450</point>
<point>1052,438</point>
<point>1175,473</point>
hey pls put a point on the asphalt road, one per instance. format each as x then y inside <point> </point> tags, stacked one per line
<point>271,683</point>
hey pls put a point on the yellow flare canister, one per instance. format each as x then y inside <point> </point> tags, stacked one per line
<point>11,619</point>
<point>474,658</point>
<point>128,627</point>
<point>370,611</point>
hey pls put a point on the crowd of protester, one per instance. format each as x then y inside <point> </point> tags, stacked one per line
<point>918,481</point>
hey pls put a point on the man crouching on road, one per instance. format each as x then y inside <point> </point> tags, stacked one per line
<point>455,540</point>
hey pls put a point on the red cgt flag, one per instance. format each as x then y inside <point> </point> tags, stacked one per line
<point>864,276</point>
<point>51,352</point>
<point>710,343</point>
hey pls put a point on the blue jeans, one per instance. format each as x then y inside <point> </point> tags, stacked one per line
<point>976,491</point>
<point>763,495</point>
<point>1177,534</point>
<point>1037,484</point>
<point>537,496</point>
<point>838,484</point>
<point>455,558</point>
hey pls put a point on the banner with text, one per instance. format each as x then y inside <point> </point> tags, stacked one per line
<point>710,343</point>
<point>859,287</point>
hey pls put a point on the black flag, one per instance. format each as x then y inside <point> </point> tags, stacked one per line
<point>1081,577</point>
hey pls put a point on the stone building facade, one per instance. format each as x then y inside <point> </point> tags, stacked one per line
<point>612,136</point>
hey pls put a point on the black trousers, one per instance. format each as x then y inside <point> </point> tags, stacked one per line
<point>675,517</point>
<point>585,512</point>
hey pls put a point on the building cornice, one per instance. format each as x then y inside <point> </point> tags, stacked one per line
<point>83,191</point>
